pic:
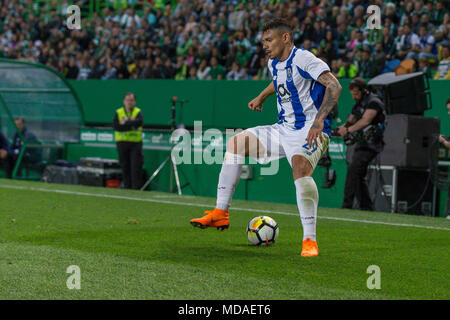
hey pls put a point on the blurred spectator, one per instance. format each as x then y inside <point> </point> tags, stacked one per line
<point>237,72</point>
<point>243,55</point>
<point>136,40</point>
<point>347,69</point>
<point>263,71</point>
<point>379,57</point>
<point>122,71</point>
<point>425,48</point>
<point>368,68</point>
<point>72,70</point>
<point>236,17</point>
<point>84,71</point>
<point>216,71</point>
<point>192,73</point>
<point>203,71</point>
<point>95,70</point>
<point>130,19</point>
<point>443,71</point>
<point>146,69</point>
<point>253,62</point>
<point>424,67</point>
<point>387,43</point>
<point>181,69</point>
<point>438,12</point>
<point>409,43</point>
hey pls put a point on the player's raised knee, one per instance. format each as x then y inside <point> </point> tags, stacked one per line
<point>301,167</point>
<point>236,144</point>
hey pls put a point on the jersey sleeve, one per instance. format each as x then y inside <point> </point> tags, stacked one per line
<point>309,65</point>
<point>415,40</point>
<point>269,65</point>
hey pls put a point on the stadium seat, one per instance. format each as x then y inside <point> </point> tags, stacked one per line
<point>405,67</point>
<point>390,66</point>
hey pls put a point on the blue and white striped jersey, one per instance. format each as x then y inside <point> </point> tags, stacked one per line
<point>299,94</point>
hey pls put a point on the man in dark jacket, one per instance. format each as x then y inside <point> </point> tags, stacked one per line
<point>5,151</point>
<point>368,67</point>
<point>367,114</point>
<point>32,155</point>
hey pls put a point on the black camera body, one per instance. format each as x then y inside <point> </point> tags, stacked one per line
<point>371,134</point>
<point>352,138</point>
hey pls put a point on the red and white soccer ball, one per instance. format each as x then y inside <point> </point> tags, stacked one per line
<point>262,231</point>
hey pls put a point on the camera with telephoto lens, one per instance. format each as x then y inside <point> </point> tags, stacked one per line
<point>352,138</point>
<point>372,134</point>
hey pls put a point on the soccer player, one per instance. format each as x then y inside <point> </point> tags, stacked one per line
<point>306,93</point>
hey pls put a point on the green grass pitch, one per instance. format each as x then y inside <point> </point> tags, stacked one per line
<point>140,245</point>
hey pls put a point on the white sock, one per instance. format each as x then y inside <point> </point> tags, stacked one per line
<point>307,202</point>
<point>228,179</point>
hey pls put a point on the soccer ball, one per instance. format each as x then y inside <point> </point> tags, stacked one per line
<point>262,231</point>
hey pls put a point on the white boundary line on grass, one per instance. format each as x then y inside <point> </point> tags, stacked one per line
<point>207,205</point>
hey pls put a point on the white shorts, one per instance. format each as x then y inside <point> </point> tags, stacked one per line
<point>280,141</point>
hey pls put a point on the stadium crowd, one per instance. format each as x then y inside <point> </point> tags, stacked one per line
<point>216,39</point>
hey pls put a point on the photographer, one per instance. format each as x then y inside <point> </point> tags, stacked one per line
<point>445,141</point>
<point>442,138</point>
<point>364,127</point>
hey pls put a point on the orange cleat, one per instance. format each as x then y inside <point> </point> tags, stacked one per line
<point>214,219</point>
<point>310,248</point>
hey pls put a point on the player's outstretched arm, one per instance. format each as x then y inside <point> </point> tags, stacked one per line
<point>333,90</point>
<point>256,104</point>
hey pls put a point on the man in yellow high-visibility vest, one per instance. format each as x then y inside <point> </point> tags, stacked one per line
<point>127,123</point>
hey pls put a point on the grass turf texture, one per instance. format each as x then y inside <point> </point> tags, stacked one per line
<point>140,245</point>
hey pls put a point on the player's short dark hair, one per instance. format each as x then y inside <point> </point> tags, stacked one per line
<point>129,94</point>
<point>359,83</point>
<point>281,25</point>
<point>448,101</point>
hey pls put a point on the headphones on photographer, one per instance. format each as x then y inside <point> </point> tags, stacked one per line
<point>359,83</point>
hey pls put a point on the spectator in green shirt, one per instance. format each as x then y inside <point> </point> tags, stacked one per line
<point>367,65</point>
<point>217,71</point>
<point>348,69</point>
<point>438,13</point>
<point>243,55</point>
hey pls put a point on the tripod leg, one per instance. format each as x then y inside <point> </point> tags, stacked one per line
<point>187,182</point>
<point>177,180</point>
<point>155,173</point>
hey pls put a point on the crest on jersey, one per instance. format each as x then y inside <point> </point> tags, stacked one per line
<point>289,74</point>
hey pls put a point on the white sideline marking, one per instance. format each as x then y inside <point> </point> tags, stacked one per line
<point>208,205</point>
